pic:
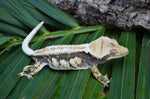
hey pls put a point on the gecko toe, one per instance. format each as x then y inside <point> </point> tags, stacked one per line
<point>30,77</point>
<point>20,74</point>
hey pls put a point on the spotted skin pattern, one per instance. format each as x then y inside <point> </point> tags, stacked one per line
<point>99,76</point>
<point>73,61</point>
<point>72,57</point>
<point>30,70</point>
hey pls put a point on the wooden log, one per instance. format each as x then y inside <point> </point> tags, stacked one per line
<point>126,14</point>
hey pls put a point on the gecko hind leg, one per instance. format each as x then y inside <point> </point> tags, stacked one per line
<point>26,71</point>
<point>99,76</point>
<point>31,70</point>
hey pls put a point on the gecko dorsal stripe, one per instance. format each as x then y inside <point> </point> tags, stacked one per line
<point>72,57</point>
<point>58,49</point>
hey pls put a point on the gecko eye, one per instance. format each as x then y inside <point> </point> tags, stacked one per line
<point>113,52</point>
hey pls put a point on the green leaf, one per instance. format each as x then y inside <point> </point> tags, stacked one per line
<point>8,18</point>
<point>16,8</point>
<point>74,31</point>
<point>9,29</point>
<point>143,88</point>
<point>123,74</point>
<point>1,35</point>
<point>9,71</point>
<point>41,16</point>
<point>54,12</point>
<point>4,39</point>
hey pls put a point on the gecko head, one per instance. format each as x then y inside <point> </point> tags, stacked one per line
<point>117,51</point>
<point>106,48</point>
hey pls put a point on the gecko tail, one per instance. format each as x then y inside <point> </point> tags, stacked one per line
<point>25,43</point>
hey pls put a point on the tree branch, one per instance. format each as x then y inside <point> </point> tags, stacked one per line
<point>126,14</point>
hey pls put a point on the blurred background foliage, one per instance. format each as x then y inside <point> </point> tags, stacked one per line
<point>130,74</point>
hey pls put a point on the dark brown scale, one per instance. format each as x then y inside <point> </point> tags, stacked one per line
<point>29,70</point>
<point>100,78</point>
<point>87,59</point>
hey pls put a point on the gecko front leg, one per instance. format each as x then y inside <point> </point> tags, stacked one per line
<point>99,76</point>
<point>31,70</point>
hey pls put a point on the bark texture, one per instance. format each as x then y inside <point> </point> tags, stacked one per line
<point>126,14</point>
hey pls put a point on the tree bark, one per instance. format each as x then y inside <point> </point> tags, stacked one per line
<point>125,14</point>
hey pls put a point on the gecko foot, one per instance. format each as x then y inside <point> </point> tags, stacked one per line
<point>27,75</point>
<point>27,72</point>
<point>100,77</point>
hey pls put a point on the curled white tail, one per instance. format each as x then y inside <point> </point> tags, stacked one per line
<point>25,44</point>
